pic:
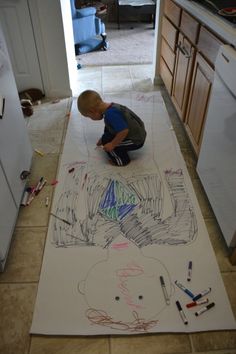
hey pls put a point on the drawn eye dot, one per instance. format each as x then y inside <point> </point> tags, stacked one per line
<point>140,297</point>
<point>117,298</point>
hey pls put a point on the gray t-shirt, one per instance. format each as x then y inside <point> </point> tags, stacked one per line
<point>116,112</point>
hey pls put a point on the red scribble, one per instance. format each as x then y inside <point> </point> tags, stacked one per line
<point>120,245</point>
<point>100,317</point>
<point>131,270</point>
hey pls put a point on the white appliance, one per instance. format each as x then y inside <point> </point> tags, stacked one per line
<point>217,160</point>
<point>15,151</point>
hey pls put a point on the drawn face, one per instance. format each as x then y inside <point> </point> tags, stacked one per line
<point>126,282</point>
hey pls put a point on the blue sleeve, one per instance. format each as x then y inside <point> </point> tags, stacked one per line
<point>115,119</point>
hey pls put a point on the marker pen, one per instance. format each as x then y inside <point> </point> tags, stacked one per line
<point>31,196</point>
<point>188,292</point>
<point>204,309</point>
<point>190,266</point>
<point>58,217</point>
<point>38,185</point>
<point>39,152</point>
<point>47,201</point>
<point>25,197</point>
<point>41,186</point>
<point>163,285</point>
<point>203,293</point>
<point>196,303</point>
<point>181,312</point>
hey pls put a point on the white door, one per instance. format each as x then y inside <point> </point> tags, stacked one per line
<point>17,27</point>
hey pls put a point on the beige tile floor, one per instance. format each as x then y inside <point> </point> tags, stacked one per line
<point>18,284</point>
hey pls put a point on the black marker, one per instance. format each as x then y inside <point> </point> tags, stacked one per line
<point>61,219</point>
<point>190,266</point>
<point>163,285</point>
<point>204,309</point>
<point>181,312</point>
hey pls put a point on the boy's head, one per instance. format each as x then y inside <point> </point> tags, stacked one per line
<point>89,104</point>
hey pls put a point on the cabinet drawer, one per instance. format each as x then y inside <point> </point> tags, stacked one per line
<point>189,27</point>
<point>208,44</point>
<point>172,11</point>
<point>169,32</point>
<point>168,55</point>
<point>166,75</point>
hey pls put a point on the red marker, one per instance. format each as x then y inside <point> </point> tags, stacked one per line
<point>196,303</point>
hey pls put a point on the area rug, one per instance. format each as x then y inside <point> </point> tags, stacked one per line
<point>127,249</point>
<point>132,44</point>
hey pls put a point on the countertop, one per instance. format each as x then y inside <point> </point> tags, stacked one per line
<point>218,25</point>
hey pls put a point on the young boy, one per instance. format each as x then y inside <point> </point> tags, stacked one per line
<point>124,130</point>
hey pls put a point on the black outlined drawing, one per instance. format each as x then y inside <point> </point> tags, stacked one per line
<point>129,297</point>
<point>99,208</point>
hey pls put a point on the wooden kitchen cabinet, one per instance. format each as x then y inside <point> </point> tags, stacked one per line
<point>183,68</point>
<point>168,46</point>
<point>188,76</point>
<point>172,11</point>
<point>202,80</point>
<point>169,32</point>
<point>166,75</point>
<point>190,27</point>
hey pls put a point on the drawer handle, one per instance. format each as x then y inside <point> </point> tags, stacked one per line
<point>183,51</point>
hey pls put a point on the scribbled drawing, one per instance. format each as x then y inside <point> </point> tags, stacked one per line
<point>101,207</point>
<point>123,290</point>
<point>123,215</point>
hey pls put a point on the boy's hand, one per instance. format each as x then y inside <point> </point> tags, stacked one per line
<point>108,147</point>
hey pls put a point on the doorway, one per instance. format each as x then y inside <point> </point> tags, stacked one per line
<point>95,69</point>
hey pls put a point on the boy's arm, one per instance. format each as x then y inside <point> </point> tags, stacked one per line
<point>116,141</point>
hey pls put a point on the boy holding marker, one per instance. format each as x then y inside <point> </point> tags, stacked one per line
<point>124,130</point>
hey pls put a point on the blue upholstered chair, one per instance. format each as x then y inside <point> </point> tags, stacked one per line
<point>86,28</point>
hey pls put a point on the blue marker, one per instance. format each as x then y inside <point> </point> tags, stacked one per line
<point>203,293</point>
<point>188,292</point>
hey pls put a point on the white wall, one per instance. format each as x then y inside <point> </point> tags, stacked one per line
<point>157,41</point>
<point>50,42</point>
<point>69,43</point>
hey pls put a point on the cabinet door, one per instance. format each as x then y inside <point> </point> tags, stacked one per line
<point>15,147</point>
<point>8,214</point>
<point>183,69</point>
<point>198,101</point>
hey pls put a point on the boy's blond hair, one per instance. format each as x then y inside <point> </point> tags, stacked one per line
<point>88,100</point>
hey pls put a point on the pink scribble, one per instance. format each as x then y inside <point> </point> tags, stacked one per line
<point>141,97</point>
<point>120,245</point>
<point>123,274</point>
